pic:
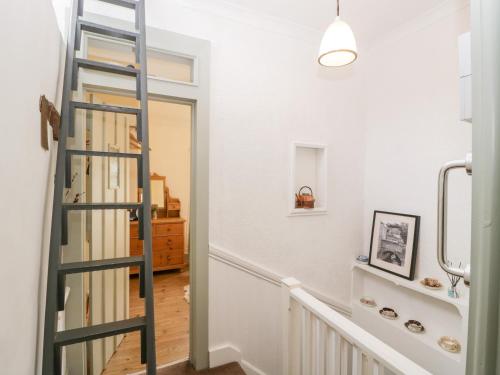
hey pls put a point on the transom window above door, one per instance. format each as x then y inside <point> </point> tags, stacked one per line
<point>162,64</point>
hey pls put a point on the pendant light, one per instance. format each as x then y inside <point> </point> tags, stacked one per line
<point>338,46</point>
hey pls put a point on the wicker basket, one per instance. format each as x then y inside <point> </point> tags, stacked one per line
<point>304,199</point>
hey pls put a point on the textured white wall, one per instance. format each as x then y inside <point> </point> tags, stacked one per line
<point>267,91</point>
<point>29,66</point>
<point>247,315</point>
<point>412,128</point>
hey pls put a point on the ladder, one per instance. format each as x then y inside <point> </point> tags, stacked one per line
<point>53,340</point>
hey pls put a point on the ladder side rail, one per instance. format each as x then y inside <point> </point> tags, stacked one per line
<point>146,199</point>
<point>51,354</point>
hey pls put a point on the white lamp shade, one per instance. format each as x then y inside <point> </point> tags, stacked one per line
<point>338,46</point>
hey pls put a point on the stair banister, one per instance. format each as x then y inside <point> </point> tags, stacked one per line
<point>317,340</point>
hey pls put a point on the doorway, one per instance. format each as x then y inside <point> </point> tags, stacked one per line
<point>186,95</point>
<point>170,128</point>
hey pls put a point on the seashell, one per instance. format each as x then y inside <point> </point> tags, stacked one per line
<point>388,313</point>
<point>368,301</point>
<point>431,283</point>
<point>414,326</point>
<point>450,344</point>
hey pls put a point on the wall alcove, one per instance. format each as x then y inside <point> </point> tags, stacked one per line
<point>308,166</point>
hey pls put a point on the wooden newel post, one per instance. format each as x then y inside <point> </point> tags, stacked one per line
<point>286,286</point>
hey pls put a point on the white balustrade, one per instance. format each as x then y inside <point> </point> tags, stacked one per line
<point>317,340</point>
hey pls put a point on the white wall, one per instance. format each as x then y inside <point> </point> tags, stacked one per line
<point>400,113</point>
<point>247,321</point>
<point>267,91</point>
<point>29,64</point>
<point>412,128</point>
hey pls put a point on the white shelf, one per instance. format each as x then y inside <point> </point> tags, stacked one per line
<point>424,338</point>
<point>421,348</point>
<point>308,211</point>
<point>440,314</point>
<point>461,304</point>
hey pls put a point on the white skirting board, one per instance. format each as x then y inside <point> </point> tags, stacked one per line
<point>228,353</point>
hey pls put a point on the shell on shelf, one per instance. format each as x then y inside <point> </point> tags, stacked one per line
<point>414,326</point>
<point>368,301</point>
<point>388,313</point>
<point>450,344</point>
<point>431,283</point>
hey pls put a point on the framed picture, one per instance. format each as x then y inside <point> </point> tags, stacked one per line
<point>394,243</point>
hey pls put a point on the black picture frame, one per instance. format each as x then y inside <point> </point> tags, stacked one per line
<point>391,252</point>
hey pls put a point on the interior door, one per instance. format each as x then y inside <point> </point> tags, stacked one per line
<point>483,356</point>
<point>186,78</point>
<point>108,229</point>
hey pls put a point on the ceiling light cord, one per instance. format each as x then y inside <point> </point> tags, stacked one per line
<point>338,8</point>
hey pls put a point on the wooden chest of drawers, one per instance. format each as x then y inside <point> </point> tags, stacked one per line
<point>168,243</point>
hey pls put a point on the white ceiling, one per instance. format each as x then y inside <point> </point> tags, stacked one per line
<point>369,19</point>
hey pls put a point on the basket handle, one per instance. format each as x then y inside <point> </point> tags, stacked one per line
<point>305,187</point>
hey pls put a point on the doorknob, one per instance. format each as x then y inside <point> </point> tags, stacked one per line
<point>442,216</point>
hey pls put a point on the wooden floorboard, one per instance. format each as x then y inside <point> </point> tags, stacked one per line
<point>171,325</point>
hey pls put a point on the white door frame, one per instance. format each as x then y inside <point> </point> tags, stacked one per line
<point>196,93</point>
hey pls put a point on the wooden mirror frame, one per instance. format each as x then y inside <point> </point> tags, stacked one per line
<point>162,211</point>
